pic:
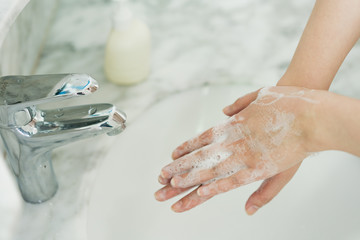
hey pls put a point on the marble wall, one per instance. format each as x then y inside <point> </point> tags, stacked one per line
<point>20,50</point>
<point>19,54</point>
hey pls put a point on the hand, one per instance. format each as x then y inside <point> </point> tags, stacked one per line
<point>267,139</point>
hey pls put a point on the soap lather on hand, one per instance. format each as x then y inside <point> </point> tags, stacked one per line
<point>272,130</point>
<point>264,136</point>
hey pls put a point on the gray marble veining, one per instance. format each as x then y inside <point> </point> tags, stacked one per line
<point>20,42</point>
<point>9,10</point>
<point>20,50</point>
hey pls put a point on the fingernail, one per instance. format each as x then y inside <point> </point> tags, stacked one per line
<point>173,182</point>
<point>158,195</point>
<point>162,180</point>
<point>252,209</point>
<point>203,191</point>
<point>226,109</point>
<point>175,154</point>
<point>163,173</point>
<point>177,206</point>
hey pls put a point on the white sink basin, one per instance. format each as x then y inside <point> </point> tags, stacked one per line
<point>321,202</point>
<point>11,202</point>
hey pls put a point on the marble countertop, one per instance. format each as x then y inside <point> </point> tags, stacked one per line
<point>9,10</point>
<point>195,43</point>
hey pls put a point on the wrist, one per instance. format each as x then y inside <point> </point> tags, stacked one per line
<point>298,79</point>
<point>317,127</point>
<point>335,123</point>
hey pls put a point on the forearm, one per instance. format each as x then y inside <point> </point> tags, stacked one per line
<point>331,32</point>
<point>337,125</point>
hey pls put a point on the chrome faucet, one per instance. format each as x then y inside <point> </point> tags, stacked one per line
<point>30,132</point>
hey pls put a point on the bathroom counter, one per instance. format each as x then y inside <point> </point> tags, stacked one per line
<point>9,10</point>
<point>195,43</point>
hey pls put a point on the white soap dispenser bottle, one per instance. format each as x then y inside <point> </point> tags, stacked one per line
<point>127,53</point>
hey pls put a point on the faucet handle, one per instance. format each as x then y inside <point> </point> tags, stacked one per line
<point>35,89</point>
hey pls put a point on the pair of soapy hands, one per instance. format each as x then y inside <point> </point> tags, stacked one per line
<point>266,138</point>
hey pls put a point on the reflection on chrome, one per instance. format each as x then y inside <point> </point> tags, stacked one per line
<point>30,133</point>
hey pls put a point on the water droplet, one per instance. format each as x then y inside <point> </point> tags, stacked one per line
<point>59,115</point>
<point>92,111</point>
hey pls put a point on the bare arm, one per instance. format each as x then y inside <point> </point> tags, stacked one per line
<point>331,32</point>
<point>275,130</point>
<point>338,125</point>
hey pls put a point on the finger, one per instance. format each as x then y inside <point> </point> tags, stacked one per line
<point>224,168</point>
<point>192,178</point>
<point>185,163</point>
<point>269,189</point>
<point>241,178</point>
<point>240,103</point>
<point>193,144</point>
<point>163,181</point>
<point>168,192</point>
<point>189,201</point>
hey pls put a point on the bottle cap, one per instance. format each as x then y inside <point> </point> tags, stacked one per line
<point>122,15</point>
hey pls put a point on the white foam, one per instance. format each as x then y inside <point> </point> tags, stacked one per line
<point>267,97</point>
<point>213,159</point>
<point>231,131</point>
<point>279,127</point>
<point>260,145</point>
<point>210,159</point>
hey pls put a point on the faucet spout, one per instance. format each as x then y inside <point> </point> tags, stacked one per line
<point>56,127</point>
<point>31,133</point>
